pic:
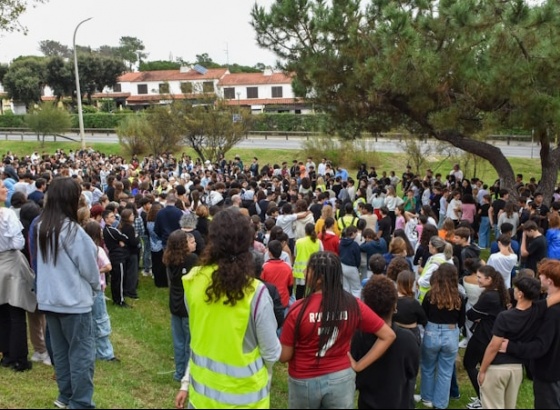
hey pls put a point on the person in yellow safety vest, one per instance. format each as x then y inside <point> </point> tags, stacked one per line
<point>442,252</point>
<point>233,328</point>
<point>305,247</point>
<point>349,218</point>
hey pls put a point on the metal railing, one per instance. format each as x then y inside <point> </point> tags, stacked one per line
<point>27,134</point>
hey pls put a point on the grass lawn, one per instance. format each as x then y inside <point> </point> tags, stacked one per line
<point>144,378</point>
<point>142,336</point>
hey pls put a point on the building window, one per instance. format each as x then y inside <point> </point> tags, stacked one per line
<point>117,88</point>
<point>142,88</point>
<point>186,88</point>
<point>164,88</point>
<point>208,87</point>
<point>276,92</point>
<point>252,92</point>
<point>229,93</point>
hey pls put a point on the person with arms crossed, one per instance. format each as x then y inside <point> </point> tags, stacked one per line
<point>544,350</point>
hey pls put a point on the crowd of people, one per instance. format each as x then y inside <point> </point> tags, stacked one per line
<point>356,287</point>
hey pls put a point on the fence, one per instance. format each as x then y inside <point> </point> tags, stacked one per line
<point>27,134</point>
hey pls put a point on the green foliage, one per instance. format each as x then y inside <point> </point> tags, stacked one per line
<point>11,10</point>
<point>160,134</point>
<point>48,119</point>
<point>448,69</point>
<point>158,65</point>
<point>24,79</point>
<point>10,120</point>
<point>101,120</point>
<point>131,50</point>
<point>287,122</point>
<point>209,130</point>
<point>51,48</point>
<point>346,153</point>
<point>131,132</point>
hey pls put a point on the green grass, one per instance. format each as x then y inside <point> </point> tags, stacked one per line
<point>382,161</point>
<point>144,378</point>
<point>142,336</point>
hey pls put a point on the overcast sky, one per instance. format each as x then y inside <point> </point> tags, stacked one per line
<point>168,28</point>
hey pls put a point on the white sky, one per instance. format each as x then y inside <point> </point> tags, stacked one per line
<point>180,28</point>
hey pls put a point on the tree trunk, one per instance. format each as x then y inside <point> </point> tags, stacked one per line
<point>550,163</point>
<point>484,150</point>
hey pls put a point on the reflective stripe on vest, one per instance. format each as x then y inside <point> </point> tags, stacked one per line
<point>228,370</point>
<point>223,374</point>
<point>230,398</point>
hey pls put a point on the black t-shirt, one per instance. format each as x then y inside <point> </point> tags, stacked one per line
<point>497,206</point>
<point>484,210</point>
<point>409,311</point>
<point>389,382</point>
<point>537,249</point>
<point>385,225</point>
<point>518,326</point>
<point>443,316</point>
<point>485,310</point>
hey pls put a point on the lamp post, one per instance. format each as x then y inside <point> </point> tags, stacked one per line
<point>78,91</point>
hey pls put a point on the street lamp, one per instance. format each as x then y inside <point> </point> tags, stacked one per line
<point>78,92</point>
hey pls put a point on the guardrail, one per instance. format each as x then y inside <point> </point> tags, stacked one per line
<point>385,135</point>
<point>273,134</point>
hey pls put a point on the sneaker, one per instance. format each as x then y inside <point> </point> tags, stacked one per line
<point>463,343</point>
<point>475,404</point>
<point>417,398</point>
<point>427,404</point>
<point>22,366</point>
<point>455,397</point>
<point>47,361</point>
<point>123,305</point>
<point>60,405</point>
<point>39,357</point>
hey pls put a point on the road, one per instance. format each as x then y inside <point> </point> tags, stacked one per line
<point>515,149</point>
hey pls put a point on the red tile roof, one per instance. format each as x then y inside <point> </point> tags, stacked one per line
<point>158,97</point>
<point>171,75</point>
<point>254,78</point>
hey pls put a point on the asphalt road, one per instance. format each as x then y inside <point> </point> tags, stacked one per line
<point>515,149</point>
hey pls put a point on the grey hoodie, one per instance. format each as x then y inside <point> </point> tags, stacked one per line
<point>70,286</point>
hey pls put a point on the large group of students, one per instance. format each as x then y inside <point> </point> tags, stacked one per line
<point>359,284</point>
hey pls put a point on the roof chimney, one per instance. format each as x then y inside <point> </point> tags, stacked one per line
<point>267,71</point>
<point>185,68</point>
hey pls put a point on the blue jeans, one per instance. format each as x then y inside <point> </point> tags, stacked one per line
<point>181,344</point>
<point>484,232</point>
<point>146,254</point>
<point>73,347</point>
<point>440,346</point>
<point>102,328</point>
<point>330,391</point>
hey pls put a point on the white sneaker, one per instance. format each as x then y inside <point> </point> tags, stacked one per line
<point>60,404</point>
<point>40,357</point>
<point>427,404</point>
<point>417,398</point>
<point>475,404</point>
<point>463,343</point>
<point>47,361</point>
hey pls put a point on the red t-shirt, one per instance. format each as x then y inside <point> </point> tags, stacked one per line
<point>279,273</point>
<point>304,363</point>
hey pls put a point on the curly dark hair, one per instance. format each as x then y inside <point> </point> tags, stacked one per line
<point>177,248</point>
<point>498,284</point>
<point>380,295</point>
<point>230,236</point>
<point>396,266</point>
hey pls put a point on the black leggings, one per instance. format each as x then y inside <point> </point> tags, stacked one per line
<point>473,357</point>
